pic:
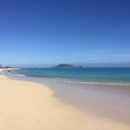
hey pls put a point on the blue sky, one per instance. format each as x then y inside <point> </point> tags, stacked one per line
<point>69,31</point>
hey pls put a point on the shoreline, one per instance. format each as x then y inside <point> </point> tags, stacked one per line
<point>31,96</point>
<point>115,82</point>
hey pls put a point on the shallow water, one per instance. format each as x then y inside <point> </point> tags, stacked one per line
<point>115,76</point>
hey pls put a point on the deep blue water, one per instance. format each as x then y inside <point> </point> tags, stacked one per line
<point>119,76</point>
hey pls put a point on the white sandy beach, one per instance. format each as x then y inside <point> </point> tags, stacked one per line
<point>26,105</point>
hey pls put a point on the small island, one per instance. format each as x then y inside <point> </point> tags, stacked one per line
<point>66,66</point>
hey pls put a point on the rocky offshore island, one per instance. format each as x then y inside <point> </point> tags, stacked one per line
<point>66,66</point>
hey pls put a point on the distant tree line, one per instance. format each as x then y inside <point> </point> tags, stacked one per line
<point>5,67</point>
<point>0,66</point>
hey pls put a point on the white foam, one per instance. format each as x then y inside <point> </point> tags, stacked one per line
<point>19,75</point>
<point>95,83</point>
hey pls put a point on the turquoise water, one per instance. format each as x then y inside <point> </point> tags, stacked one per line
<point>119,76</point>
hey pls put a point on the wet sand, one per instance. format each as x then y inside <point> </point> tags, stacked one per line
<point>107,101</point>
<point>30,106</point>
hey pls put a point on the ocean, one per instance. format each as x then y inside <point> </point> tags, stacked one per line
<point>112,76</point>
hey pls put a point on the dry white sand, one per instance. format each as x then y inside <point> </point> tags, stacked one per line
<point>30,106</point>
